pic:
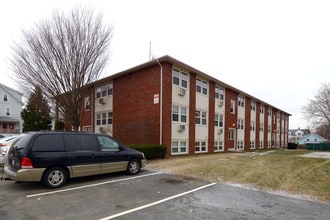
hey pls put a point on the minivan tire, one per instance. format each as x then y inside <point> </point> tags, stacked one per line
<point>133,167</point>
<point>54,177</point>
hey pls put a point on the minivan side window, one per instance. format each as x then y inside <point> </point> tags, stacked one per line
<point>80,142</point>
<point>108,144</point>
<point>48,142</point>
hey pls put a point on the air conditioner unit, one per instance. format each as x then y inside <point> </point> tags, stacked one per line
<point>101,129</point>
<point>101,101</point>
<point>220,131</point>
<point>182,92</point>
<point>181,128</point>
<point>220,103</point>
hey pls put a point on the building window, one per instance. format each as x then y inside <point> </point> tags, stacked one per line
<point>200,146</point>
<point>109,118</point>
<point>179,147</point>
<point>5,97</point>
<point>218,146</point>
<point>253,106</point>
<point>262,109</point>
<point>201,86</point>
<point>218,120</point>
<point>240,145</point>
<point>219,93</point>
<point>269,112</point>
<point>241,101</point>
<point>180,78</point>
<point>252,146</point>
<point>240,124</point>
<point>232,106</point>
<point>261,144</point>
<point>179,114</point>
<point>201,118</point>
<point>7,111</point>
<point>87,103</point>
<point>105,90</point>
<point>104,118</point>
<point>253,126</point>
<point>231,134</point>
<point>261,128</point>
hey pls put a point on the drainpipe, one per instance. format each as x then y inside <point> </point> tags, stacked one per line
<point>161,104</point>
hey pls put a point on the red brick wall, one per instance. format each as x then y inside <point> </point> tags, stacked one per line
<point>257,140</point>
<point>167,106</point>
<point>135,116</point>
<point>230,118</point>
<point>87,116</point>
<point>192,113</point>
<point>247,124</point>
<point>266,127</point>
<point>211,117</point>
<point>274,127</point>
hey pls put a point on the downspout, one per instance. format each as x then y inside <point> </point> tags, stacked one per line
<point>161,105</point>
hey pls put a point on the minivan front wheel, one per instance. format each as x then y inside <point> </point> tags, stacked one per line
<point>54,177</point>
<point>133,167</point>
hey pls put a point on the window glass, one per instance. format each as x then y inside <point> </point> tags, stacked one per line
<point>5,97</point>
<point>183,114</point>
<point>48,142</point>
<point>175,114</point>
<point>184,81</point>
<point>104,118</point>
<point>198,117</point>
<point>204,121</point>
<point>7,111</point>
<point>110,118</point>
<point>176,79</point>
<point>80,142</point>
<point>108,144</point>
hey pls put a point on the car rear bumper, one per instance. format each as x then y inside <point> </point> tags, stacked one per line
<point>24,175</point>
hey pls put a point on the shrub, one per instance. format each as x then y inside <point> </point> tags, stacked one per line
<point>151,151</point>
<point>292,146</point>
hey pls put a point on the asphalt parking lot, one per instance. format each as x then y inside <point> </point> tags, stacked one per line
<point>149,195</point>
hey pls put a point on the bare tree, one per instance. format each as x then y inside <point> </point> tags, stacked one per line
<point>317,111</point>
<point>62,55</point>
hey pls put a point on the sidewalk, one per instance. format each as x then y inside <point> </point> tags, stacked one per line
<point>321,154</point>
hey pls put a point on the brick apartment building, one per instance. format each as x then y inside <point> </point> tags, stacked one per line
<point>169,102</point>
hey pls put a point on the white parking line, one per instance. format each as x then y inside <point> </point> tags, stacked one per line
<point>91,185</point>
<point>155,203</point>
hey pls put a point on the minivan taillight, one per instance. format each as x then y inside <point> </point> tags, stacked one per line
<point>26,163</point>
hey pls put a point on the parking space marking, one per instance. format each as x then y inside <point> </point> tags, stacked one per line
<point>155,203</point>
<point>91,185</point>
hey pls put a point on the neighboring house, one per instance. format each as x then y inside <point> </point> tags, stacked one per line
<point>10,110</point>
<point>166,101</point>
<point>295,135</point>
<point>312,139</point>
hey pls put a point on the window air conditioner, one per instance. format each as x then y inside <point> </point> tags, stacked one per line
<point>181,128</point>
<point>220,103</point>
<point>101,101</point>
<point>182,92</point>
<point>220,131</point>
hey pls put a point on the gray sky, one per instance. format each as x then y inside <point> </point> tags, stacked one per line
<point>277,51</point>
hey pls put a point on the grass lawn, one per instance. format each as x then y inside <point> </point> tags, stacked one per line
<point>274,170</point>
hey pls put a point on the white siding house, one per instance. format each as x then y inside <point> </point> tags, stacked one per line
<point>10,110</point>
<point>312,139</point>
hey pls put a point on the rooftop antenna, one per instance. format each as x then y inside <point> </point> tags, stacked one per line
<point>149,50</point>
<point>151,57</point>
